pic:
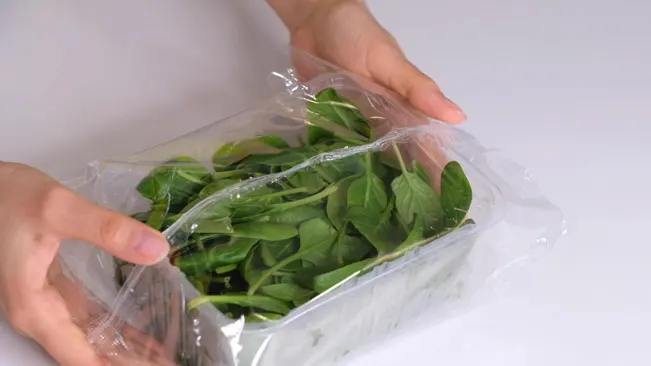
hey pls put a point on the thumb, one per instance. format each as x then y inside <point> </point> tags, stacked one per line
<point>73,217</point>
<point>394,71</point>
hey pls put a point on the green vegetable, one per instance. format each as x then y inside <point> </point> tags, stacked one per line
<point>252,301</point>
<point>286,291</point>
<point>265,251</point>
<point>415,196</point>
<point>327,280</point>
<point>456,194</point>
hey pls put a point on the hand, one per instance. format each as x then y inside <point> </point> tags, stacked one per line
<point>36,213</point>
<point>345,33</point>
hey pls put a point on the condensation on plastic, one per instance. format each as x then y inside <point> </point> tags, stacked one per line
<point>146,321</point>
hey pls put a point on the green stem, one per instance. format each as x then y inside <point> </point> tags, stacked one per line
<point>228,174</point>
<point>399,156</point>
<point>368,162</point>
<point>402,249</point>
<point>255,301</point>
<point>277,267</point>
<point>189,177</point>
<point>307,200</point>
<point>339,242</point>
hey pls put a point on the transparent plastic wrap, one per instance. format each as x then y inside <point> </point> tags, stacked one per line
<point>304,229</point>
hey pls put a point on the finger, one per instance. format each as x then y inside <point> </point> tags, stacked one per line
<point>73,217</point>
<point>390,67</point>
<point>53,329</point>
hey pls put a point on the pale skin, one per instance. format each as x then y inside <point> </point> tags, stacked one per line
<point>36,212</point>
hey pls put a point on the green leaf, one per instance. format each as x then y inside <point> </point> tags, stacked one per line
<point>236,151</point>
<point>176,180</point>
<point>293,216</point>
<point>253,301</point>
<point>349,249</point>
<point>456,194</point>
<point>273,251</point>
<point>198,263</point>
<point>368,191</point>
<point>316,134</point>
<point>377,230</point>
<point>226,174</point>
<point>325,281</point>
<point>158,213</point>
<point>264,231</point>
<point>222,226</point>
<point>330,105</point>
<point>416,234</point>
<point>389,160</point>
<point>274,141</point>
<point>337,202</point>
<point>314,199</point>
<point>415,196</point>
<point>252,268</point>
<point>316,238</point>
<point>408,246</point>
<point>289,157</point>
<point>286,291</point>
<point>227,268</point>
<point>421,172</point>
<point>307,180</point>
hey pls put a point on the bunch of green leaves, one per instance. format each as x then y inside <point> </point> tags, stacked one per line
<point>268,251</point>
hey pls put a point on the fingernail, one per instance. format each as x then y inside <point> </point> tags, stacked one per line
<point>152,246</point>
<point>454,106</point>
<point>455,114</point>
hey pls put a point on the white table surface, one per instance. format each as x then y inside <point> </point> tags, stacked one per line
<point>564,87</point>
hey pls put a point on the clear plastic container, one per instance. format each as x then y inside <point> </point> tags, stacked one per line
<point>511,221</point>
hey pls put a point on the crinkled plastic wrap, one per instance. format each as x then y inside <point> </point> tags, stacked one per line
<point>304,229</point>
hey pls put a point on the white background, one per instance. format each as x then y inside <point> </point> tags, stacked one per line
<point>563,87</point>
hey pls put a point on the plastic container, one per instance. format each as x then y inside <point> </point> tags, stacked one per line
<point>512,221</point>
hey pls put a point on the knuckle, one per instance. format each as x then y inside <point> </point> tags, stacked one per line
<point>53,202</point>
<point>114,229</point>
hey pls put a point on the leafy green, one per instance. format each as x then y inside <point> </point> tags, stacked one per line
<point>414,196</point>
<point>327,280</point>
<point>337,202</point>
<point>456,194</point>
<point>316,238</point>
<point>252,301</point>
<point>218,255</point>
<point>264,251</point>
<point>286,291</point>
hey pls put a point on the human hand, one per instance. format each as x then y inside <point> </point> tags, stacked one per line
<point>36,213</point>
<point>345,33</point>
